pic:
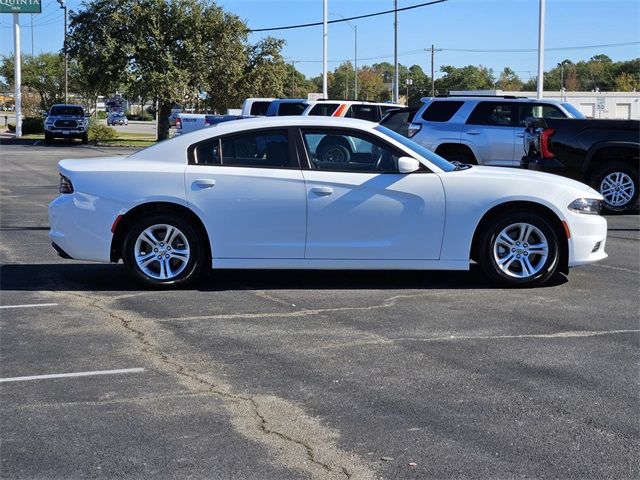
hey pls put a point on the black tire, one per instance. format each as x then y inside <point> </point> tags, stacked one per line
<point>48,138</point>
<point>515,257</point>
<point>628,176</point>
<point>332,150</point>
<point>85,139</point>
<point>188,239</point>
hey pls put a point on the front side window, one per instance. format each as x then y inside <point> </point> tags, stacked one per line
<point>324,109</point>
<point>363,112</point>
<point>492,113</point>
<point>259,108</point>
<point>348,151</point>
<point>538,111</point>
<point>289,109</point>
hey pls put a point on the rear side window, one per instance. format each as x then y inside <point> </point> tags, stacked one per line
<point>364,112</point>
<point>440,111</point>
<point>262,149</point>
<point>493,113</point>
<point>324,109</point>
<point>259,108</point>
<point>399,121</point>
<point>289,109</point>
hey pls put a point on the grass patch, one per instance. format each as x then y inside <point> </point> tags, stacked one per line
<point>126,143</point>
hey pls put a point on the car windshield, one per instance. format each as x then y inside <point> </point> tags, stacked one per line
<point>66,110</point>
<point>573,111</point>
<point>437,160</point>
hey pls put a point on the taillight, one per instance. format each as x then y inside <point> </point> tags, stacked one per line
<point>178,123</point>
<point>65,185</point>
<point>413,129</point>
<point>544,142</point>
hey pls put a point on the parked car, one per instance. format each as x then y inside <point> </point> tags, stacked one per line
<point>256,194</point>
<point>189,122</point>
<point>117,118</point>
<point>66,121</point>
<point>350,109</point>
<point>287,107</point>
<point>481,130</point>
<point>256,106</point>
<point>603,153</point>
<point>399,119</point>
<point>172,118</point>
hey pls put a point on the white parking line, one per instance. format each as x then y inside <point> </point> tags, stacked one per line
<point>76,374</point>
<point>30,305</point>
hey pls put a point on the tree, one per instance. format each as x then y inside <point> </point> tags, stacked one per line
<point>42,73</point>
<point>509,81</point>
<point>465,78</point>
<point>173,51</point>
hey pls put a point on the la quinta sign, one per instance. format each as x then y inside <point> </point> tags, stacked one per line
<point>20,6</point>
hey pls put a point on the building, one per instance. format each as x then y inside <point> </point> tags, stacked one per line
<point>621,105</point>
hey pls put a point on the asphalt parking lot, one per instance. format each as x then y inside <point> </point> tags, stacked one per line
<point>259,374</point>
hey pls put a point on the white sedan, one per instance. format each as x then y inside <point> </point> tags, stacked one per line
<point>318,193</point>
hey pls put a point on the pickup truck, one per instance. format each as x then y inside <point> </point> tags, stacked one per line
<point>66,121</point>
<point>601,153</point>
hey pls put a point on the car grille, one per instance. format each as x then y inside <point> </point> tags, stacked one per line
<point>66,124</point>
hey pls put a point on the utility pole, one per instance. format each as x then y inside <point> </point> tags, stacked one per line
<point>325,38</point>
<point>396,87</point>
<point>293,78</point>
<point>433,81</point>
<point>63,5</point>
<point>541,50</point>
<point>31,34</point>
<point>355,61</point>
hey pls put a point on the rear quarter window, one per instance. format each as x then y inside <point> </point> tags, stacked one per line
<point>364,112</point>
<point>289,109</point>
<point>441,111</point>
<point>259,108</point>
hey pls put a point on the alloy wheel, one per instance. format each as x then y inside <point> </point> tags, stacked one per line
<point>520,250</point>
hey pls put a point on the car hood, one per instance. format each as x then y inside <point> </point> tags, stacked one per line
<point>518,175</point>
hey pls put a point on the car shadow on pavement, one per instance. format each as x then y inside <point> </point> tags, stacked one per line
<point>113,277</point>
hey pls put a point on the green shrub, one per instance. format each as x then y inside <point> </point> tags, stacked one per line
<point>100,133</point>
<point>32,125</point>
<point>29,125</point>
<point>102,115</point>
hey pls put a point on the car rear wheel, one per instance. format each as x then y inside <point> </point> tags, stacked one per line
<point>618,184</point>
<point>519,250</point>
<point>163,250</point>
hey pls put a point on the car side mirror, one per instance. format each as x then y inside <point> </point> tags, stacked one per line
<point>408,165</point>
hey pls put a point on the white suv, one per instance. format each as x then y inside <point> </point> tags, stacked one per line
<point>481,130</point>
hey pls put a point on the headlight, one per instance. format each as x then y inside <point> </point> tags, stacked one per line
<point>589,206</point>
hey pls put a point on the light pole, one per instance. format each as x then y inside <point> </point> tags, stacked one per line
<point>540,86</point>
<point>561,65</point>
<point>63,5</point>
<point>409,82</point>
<point>325,47</point>
<point>355,53</point>
<point>396,87</point>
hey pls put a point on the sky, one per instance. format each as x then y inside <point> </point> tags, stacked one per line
<point>490,27</point>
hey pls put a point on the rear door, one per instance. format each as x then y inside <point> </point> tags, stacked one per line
<point>491,131</point>
<point>249,191</point>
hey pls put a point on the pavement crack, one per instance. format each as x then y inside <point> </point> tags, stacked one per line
<point>297,440</point>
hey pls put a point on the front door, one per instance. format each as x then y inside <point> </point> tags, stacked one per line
<point>360,207</point>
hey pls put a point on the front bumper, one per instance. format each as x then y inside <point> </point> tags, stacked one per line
<point>65,133</point>
<point>588,239</point>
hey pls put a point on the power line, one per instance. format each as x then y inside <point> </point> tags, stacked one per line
<point>368,15</point>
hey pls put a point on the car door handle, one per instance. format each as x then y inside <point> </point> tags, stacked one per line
<point>322,191</point>
<point>204,183</point>
<point>473,132</point>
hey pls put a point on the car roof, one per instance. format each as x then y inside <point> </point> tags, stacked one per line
<point>490,98</point>
<point>182,142</point>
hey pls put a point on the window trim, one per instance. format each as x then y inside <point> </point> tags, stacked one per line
<point>308,164</point>
<point>294,157</point>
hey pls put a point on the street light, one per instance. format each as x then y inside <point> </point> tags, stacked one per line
<point>355,52</point>
<point>63,5</point>
<point>561,65</point>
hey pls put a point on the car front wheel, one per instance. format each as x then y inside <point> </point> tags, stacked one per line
<point>618,185</point>
<point>519,250</point>
<point>163,250</point>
